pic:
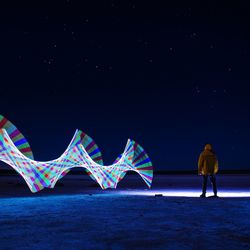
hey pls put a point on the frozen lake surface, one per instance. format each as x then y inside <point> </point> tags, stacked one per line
<point>77,214</point>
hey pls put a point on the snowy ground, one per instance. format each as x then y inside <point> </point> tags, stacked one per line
<point>79,215</point>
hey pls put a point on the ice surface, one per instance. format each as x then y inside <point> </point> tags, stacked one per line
<point>78,215</point>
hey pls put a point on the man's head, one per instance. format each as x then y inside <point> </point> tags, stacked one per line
<point>208,147</point>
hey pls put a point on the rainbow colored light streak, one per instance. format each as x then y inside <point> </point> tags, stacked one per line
<point>81,152</point>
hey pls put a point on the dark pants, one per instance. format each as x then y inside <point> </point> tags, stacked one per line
<point>204,184</point>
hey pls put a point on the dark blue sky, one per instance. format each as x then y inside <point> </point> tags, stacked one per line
<point>170,76</point>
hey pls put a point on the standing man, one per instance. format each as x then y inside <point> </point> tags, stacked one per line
<point>208,166</point>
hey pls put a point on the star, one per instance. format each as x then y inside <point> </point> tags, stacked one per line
<point>193,35</point>
<point>197,90</point>
<point>48,61</point>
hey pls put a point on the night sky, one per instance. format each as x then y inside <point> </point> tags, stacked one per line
<point>170,76</point>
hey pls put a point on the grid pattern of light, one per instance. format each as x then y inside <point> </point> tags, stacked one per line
<point>81,152</point>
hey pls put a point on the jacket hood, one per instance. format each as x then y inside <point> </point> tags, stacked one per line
<point>208,147</point>
<point>208,152</point>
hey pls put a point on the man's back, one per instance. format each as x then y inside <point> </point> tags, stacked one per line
<point>208,163</point>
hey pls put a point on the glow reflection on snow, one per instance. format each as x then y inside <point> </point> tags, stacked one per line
<point>189,193</point>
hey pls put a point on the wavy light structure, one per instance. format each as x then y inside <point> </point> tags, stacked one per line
<point>81,152</point>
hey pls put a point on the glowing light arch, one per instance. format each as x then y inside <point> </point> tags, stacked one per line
<point>81,152</point>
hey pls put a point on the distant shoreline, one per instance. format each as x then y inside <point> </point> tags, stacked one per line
<point>4,172</point>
